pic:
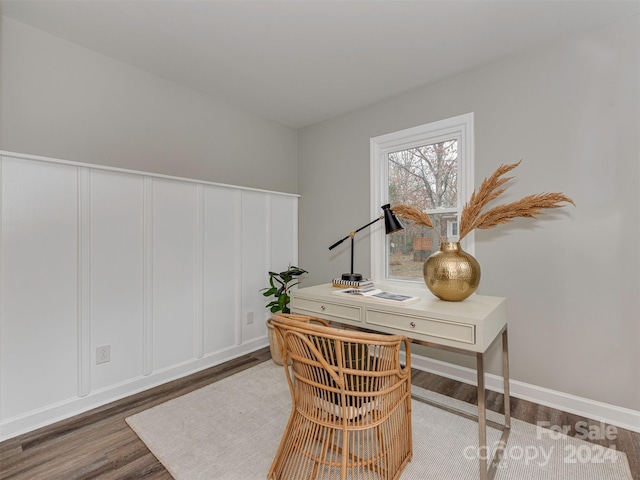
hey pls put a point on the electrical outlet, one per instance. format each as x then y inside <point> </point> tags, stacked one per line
<point>103,354</point>
<point>250,318</point>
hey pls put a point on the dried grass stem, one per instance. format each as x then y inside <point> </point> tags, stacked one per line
<point>473,217</point>
<point>416,216</point>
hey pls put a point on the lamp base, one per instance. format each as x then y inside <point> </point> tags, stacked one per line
<point>352,277</point>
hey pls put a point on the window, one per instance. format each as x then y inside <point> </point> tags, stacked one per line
<point>429,167</point>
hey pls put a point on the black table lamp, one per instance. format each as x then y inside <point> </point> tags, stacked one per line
<point>391,224</point>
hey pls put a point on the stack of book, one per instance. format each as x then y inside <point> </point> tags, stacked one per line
<point>363,285</point>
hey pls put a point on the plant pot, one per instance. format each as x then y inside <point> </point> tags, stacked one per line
<point>451,274</point>
<point>273,343</point>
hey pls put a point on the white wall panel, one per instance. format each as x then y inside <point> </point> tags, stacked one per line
<point>174,272</point>
<point>256,243</point>
<point>222,275</point>
<point>39,350</point>
<point>116,275</point>
<point>166,271</point>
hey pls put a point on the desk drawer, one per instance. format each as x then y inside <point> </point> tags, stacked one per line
<point>432,327</point>
<point>327,309</point>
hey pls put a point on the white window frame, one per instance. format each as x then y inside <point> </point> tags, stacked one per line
<point>450,226</point>
<point>460,128</point>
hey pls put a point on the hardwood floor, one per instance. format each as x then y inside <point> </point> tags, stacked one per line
<point>100,445</point>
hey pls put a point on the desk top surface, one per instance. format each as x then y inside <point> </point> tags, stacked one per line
<point>474,307</point>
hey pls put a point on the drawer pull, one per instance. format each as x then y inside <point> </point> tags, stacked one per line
<point>322,307</point>
<point>412,324</point>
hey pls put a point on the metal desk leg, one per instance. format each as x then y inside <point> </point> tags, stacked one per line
<point>482,418</point>
<point>502,444</point>
<point>485,459</point>
<point>505,377</point>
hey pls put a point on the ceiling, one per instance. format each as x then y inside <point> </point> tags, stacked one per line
<point>299,62</point>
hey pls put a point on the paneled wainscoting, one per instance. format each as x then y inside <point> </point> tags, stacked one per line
<point>165,271</point>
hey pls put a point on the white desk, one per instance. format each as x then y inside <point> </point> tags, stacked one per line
<point>470,327</point>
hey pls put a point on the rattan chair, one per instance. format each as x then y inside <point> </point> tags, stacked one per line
<point>351,404</point>
<point>274,347</point>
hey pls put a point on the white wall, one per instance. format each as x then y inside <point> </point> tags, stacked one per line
<point>60,100</point>
<point>165,271</point>
<point>571,111</point>
<point>92,257</point>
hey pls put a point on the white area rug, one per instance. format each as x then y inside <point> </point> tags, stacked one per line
<point>230,430</point>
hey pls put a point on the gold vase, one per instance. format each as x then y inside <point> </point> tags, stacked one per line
<point>451,274</point>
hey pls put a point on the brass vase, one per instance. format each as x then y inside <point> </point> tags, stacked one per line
<point>451,274</point>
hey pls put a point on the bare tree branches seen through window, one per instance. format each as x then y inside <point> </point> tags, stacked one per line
<point>425,177</point>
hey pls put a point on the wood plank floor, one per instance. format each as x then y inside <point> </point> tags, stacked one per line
<point>100,445</point>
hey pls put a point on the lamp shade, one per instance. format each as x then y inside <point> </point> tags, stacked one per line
<point>391,222</point>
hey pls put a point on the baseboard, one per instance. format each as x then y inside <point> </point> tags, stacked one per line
<point>599,411</point>
<point>33,420</point>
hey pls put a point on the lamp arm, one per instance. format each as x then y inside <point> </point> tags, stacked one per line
<point>370,223</point>
<point>339,242</point>
<point>352,234</point>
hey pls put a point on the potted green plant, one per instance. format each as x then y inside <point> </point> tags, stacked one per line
<point>279,285</point>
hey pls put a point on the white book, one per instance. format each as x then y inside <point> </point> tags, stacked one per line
<point>378,296</point>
